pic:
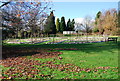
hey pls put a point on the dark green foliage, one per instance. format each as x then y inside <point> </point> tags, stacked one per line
<point>72,25</point>
<point>95,30</point>
<point>68,25</point>
<point>50,27</point>
<point>98,14</point>
<point>58,25</point>
<point>7,34</point>
<point>62,24</point>
<point>97,17</point>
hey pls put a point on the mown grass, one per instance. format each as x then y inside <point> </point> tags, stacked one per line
<point>89,55</point>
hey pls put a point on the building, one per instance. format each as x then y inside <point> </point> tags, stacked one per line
<point>69,32</point>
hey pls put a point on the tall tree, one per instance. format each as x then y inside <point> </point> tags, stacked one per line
<point>68,25</point>
<point>98,23</point>
<point>50,27</point>
<point>10,23</point>
<point>118,32</point>
<point>72,25</point>
<point>110,22</point>
<point>32,14</point>
<point>62,24</point>
<point>97,17</point>
<point>107,22</point>
<point>87,24</point>
<point>58,25</point>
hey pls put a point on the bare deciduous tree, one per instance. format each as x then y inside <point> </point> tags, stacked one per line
<point>25,16</point>
<point>87,24</point>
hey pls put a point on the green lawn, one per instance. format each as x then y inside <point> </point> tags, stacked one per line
<point>77,61</point>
